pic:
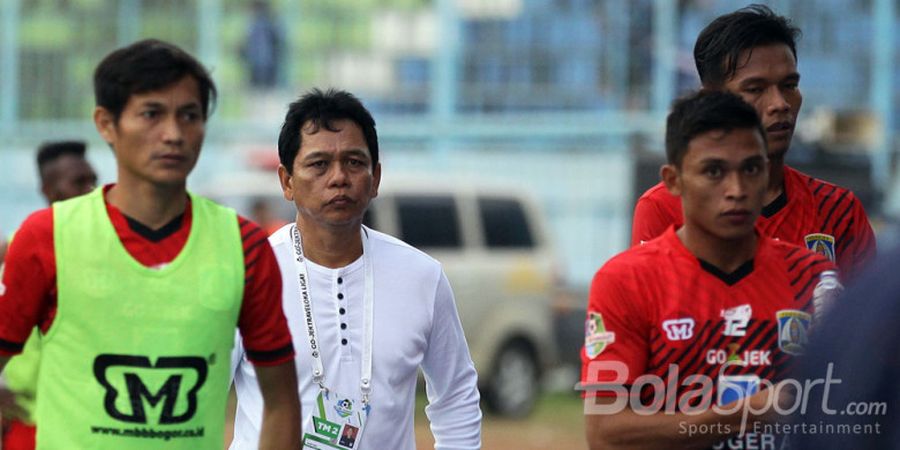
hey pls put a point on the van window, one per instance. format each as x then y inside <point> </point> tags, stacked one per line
<point>429,221</point>
<point>504,223</point>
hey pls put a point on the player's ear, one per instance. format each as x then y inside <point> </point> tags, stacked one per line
<point>105,123</point>
<point>46,190</point>
<point>376,179</point>
<point>287,183</point>
<point>671,178</point>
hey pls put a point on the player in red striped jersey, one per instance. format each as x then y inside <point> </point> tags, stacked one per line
<point>714,307</point>
<point>752,53</point>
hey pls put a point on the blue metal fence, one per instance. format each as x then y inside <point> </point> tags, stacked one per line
<point>561,87</point>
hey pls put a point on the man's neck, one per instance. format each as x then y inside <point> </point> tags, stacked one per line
<point>332,247</point>
<point>152,205</point>
<point>726,255</point>
<point>776,179</point>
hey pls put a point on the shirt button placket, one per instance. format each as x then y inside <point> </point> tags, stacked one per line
<point>342,311</point>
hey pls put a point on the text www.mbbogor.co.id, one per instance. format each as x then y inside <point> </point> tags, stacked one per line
<point>147,433</point>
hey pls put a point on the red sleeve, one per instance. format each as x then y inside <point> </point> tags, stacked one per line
<point>264,329</point>
<point>651,217</point>
<point>28,290</point>
<point>856,243</point>
<point>617,333</point>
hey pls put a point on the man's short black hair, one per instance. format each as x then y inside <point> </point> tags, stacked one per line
<point>52,150</point>
<point>705,111</point>
<point>145,66</point>
<point>720,44</point>
<point>322,110</point>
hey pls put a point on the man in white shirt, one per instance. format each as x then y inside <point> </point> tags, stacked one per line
<point>366,310</point>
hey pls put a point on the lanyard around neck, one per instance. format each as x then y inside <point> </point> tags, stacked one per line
<point>365,382</point>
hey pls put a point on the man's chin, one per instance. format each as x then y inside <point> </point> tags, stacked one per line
<point>736,234</point>
<point>343,221</point>
<point>778,154</point>
<point>171,180</point>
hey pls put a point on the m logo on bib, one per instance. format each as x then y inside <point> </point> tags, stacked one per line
<point>820,243</point>
<point>131,382</point>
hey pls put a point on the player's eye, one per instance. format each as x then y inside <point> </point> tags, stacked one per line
<point>753,90</point>
<point>190,116</point>
<point>713,171</point>
<point>149,113</point>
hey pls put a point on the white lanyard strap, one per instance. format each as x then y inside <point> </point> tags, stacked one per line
<point>365,381</point>
<point>318,370</point>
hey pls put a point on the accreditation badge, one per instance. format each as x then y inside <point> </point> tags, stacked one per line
<point>337,422</point>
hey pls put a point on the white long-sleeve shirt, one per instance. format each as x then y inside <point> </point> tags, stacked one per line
<point>415,325</point>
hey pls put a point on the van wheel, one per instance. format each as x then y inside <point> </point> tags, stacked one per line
<point>512,388</point>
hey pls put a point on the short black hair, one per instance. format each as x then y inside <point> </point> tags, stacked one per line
<point>52,150</point>
<point>706,110</point>
<point>720,44</point>
<point>322,109</point>
<point>145,66</point>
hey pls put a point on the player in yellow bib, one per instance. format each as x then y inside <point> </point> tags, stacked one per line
<point>65,173</point>
<point>138,286</point>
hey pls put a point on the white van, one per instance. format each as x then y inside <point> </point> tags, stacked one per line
<point>494,247</point>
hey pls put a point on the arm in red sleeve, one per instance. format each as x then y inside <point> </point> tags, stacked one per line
<point>855,241</point>
<point>264,329</point>
<point>28,288</point>
<point>616,332</point>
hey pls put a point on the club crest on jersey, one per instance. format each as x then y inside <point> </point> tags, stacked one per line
<point>596,338</point>
<point>792,330</point>
<point>679,329</point>
<point>820,243</point>
<point>736,320</point>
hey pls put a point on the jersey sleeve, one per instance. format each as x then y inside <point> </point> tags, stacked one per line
<point>855,241</point>
<point>265,335</point>
<point>28,284</point>
<point>617,333</point>
<point>804,270</point>
<point>650,220</point>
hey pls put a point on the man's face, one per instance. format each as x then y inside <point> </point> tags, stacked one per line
<point>333,179</point>
<point>722,182</point>
<point>769,81</point>
<point>66,177</point>
<point>157,137</point>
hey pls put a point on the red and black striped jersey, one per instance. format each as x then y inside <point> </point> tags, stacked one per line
<point>821,216</point>
<point>657,309</point>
